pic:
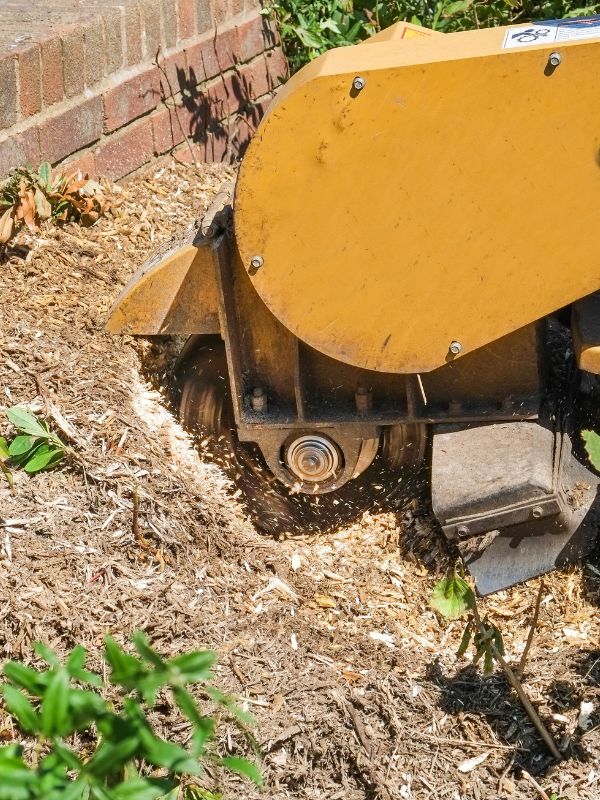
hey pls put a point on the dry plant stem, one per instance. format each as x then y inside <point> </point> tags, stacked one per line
<point>521,668</point>
<point>516,684</point>
<point>530,779</point>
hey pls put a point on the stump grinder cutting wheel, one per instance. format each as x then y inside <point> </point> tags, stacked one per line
<point>405,273</point>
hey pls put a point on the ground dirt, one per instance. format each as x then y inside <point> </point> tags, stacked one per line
<point>328,638</point>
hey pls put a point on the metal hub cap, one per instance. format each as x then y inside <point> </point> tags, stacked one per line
<point>313,458</point>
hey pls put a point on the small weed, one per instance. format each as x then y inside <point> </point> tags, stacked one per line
<point>33,449</point>
<point>124,759</point>
<point>29,198</point>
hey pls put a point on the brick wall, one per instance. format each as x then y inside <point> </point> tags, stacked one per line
<point>108,85</point>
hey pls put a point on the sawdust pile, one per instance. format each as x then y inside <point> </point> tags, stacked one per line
<point>328,639</point>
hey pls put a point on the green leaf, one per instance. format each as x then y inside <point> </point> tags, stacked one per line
<point>592,447</point>
<point>66,756</point>
<point>243,767</point>
<point>55,711</point>
<point>20,707</point>
<point>126,669</point>
<point>452,597</point>
<point>45,653</point>
<point>498,641</point>
<point>4,452</point>
<point>456,7</point>
<point>45,457</point>
<point>488,661</point>
<point>27,678</point>
<point>464,642</point>
<point>196,666</point>
<point>45,173</point>
<point>25,422</point>
<point>204,727</point>
<point>143,789</point>
<point>140,641</point>
<point>167,754</point>
<point>109,758</point>
<point>21,445</point>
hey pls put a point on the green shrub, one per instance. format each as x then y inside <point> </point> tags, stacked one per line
<point>119,756</point>
<point>310,27</point>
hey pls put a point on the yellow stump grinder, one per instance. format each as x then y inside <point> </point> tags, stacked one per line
<point>404,275</point>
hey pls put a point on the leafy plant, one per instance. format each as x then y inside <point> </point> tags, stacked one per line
<point>453,598</point>
<point>35,447</point>
<point>310,27</point>
<point>120,757</point>
<point>592,447</point>
<point>30,198</point>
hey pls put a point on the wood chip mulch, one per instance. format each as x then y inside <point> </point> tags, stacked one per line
<point>327,639</point>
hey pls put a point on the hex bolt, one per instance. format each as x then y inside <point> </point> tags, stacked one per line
<point>554,59</point>
<point>363,398</point>
<point>358,83</point>
<point>462,531</point>
<point>455,347</point>
<point>537,512</point>
<point>258,399</point>
<point>256,262</point>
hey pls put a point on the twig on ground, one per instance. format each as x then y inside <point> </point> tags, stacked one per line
<point>516,684</point>
<point>530,779</point>
<point>520,670</point>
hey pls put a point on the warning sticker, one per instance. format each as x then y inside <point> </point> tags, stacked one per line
<point>553,31</point>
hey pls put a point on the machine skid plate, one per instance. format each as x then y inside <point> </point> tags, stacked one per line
<point>514,499</point>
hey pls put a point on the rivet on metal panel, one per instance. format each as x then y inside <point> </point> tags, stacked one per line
<point>554,59</point>
<point>455,347</point>
<point>462,531</point>
<point>537,512</point>
<point>256,262</point>
<point>358,83</point>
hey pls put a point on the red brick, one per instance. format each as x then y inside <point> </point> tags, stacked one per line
<point>177,77</point>
<point>218,95</point>
<point>85,163</point>
<point>113,38</point>
<point>19,150</point>
<point>52,73</point>
<point>204,16</point>
<point>254,36</point>
<point>151,34</point>
<point>278,67</point>
<point>8,95</point>
<point>166,130</point>
<point>187,18</point>
<point>72,59</point>
<point>30,80</point>
<point>254,79</point>
<point>169,18</point>
<point>72,130</point>
<point>220,11</point>
<point>130,99</point>
<point>133,35</point>
<point>125,151</point>
<point>211,56</point>
<point>94,47</point>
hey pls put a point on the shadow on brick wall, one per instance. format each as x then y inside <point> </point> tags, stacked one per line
<point>219,118</point>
